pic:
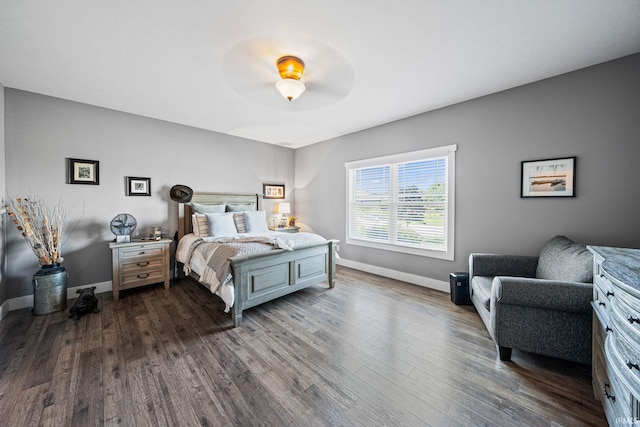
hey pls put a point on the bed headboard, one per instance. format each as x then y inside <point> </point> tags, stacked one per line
<point>185,225</point>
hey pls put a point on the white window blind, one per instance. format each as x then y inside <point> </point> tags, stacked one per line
<point>403,202</point>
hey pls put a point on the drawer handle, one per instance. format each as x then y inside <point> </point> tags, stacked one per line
<point>609,294</point>
<point>632,319</point>
<point>632,365</point>
<point>141,253</point>
<point>606,392</point>
<point>608,329</point>
<point>143,264</point>
<point>602,304</point>
<point>143,276</point>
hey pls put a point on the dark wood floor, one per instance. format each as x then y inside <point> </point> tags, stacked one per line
<point>370,352</point>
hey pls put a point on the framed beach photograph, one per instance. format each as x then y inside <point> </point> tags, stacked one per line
<point>549,178</point>
<point>273,191</point>
<point>138,186</point>
<point>83,171</point>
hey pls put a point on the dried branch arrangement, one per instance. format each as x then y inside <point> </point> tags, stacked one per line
<point>41,224</point>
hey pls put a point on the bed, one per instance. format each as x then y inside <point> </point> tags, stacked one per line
<point>290,263</point>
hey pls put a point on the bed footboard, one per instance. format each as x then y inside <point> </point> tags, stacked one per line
<point>265,277</point>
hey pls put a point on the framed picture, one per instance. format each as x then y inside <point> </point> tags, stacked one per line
<point>123,238</point>
<point>549,178</point>
<point>83,171</point>
<point>138,186</point>
<point>273,191</point>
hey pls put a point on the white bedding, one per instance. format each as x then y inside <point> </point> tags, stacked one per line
<point>199,255</point>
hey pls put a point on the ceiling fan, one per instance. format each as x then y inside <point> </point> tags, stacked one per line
<point>251,69</point>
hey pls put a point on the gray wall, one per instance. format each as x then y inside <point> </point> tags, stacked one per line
<point>3,258</point>
<point>593,114</point>
<point>42,131</point>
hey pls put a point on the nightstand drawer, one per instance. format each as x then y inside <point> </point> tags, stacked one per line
<point>141,278</point>
<point>141,265</point>
<point>141,252</point>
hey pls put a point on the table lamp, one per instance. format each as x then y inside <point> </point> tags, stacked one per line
<point>284,209</point>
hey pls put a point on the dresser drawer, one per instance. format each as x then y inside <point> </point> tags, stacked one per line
<point>600,330</point>
<point>628,354</point>
<point>632,304</point>
<point>602,294</point>
<point>599,373</point>
<point>615,397</point>
<point>626,320</point>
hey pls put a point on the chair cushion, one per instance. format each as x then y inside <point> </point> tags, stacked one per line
<point>565,260</point>
<point>481,286</point>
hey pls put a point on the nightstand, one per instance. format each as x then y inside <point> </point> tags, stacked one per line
<point>140,263</point>
<point>289,229</point>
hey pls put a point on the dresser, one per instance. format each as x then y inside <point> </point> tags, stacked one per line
<point>140,263</point>
<point>616,333</point>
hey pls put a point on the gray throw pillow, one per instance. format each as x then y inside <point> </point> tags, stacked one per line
<point>240,208</point>
<point>205,209</point>
<point>563,259</point>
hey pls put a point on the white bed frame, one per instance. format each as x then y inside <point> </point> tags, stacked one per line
<point>264,277</point>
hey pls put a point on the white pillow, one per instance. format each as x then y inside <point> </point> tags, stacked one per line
<point>221,224</point>
<point>256,221</point>
<point>200,225</point>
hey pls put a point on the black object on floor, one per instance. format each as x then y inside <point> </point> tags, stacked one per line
<point>459,283</point>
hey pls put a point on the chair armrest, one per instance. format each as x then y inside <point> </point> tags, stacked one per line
<point>547,294</point>
<point>502,265</point>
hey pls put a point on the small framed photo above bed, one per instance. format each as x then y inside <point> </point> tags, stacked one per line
<point>549,178</point>
<point>273,191</point>
<point>138,186</point>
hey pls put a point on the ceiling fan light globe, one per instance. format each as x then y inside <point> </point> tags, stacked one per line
<point>290,88</point>
<point>290,67</point>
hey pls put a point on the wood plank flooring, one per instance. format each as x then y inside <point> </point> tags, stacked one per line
<point>371,352</point>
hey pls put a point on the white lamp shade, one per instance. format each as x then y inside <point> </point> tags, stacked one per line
<point>284,208</point>
<point>290,88</point>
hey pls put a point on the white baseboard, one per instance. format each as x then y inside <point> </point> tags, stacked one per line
<point>100,288</point>
<point>427,282</point>
<point>27,300</point>
<point>439,285</point>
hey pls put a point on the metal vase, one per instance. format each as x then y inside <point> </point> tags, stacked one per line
<point>50,289</point>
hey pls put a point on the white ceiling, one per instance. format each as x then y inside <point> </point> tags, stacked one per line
<point>211,64</point>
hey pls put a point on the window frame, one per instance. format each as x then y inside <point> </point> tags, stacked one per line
<point>447,152</point>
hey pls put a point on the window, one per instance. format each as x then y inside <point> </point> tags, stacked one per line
<point>403,202</point>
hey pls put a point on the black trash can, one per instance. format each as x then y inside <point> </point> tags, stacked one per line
<point>459,283</point>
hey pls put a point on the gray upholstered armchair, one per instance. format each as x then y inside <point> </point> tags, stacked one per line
<point>536,304</point>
